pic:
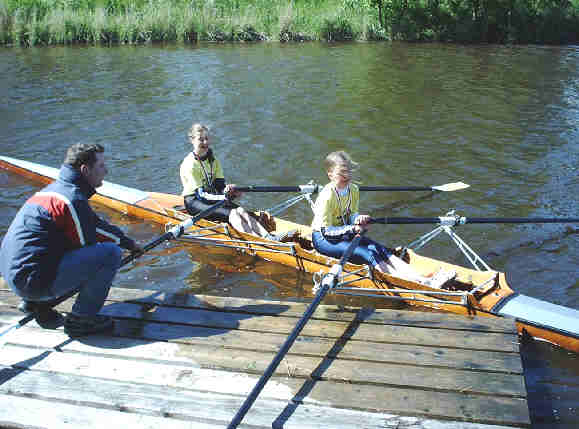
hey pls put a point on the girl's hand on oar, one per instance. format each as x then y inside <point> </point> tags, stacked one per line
<point>231,192</point>
<point>361,223</point>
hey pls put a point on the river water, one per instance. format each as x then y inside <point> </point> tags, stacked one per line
<point>503,119</point>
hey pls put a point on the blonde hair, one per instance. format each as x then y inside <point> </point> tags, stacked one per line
<point>197,129</point>
<point>340,159</point>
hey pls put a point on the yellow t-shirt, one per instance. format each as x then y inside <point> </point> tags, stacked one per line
<point>334,210</point>
<point>197,174</point>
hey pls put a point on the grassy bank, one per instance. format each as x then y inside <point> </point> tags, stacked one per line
<point>26,22</point>
<point>55,22</point>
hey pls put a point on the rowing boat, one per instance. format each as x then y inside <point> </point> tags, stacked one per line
<point>474,292</point>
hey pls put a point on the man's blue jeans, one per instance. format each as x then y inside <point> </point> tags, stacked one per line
<point>91,269</point>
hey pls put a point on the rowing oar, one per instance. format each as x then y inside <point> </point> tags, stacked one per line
<point>171,234</point>
<point>327,283</point>
<point>448,187</point>
<point>460,220</point>
<point>310,189</point>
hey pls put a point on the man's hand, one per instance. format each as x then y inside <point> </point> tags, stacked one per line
<point>135,249</point>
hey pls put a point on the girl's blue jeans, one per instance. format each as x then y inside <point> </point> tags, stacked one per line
<point>368,251</point>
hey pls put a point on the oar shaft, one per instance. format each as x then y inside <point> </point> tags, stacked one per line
<point>267,188</point>
<point>395,188</point>
<point>455,220</point>
<point>316,188</point>
<point>520,220</point>
<point>310,189</point>
<point>325,287</point>
<point>405,220</point>
<point>174,232</point>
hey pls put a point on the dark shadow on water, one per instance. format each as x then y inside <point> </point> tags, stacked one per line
<point>552,403</point>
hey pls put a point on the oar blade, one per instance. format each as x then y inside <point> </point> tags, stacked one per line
<point>450,187</point>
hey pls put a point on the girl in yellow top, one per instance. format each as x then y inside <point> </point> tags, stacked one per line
<point>204,185</point>
<point>336,221</point>
<point>202,178</point>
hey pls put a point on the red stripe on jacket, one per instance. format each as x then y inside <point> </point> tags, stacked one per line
<point>61,215</point>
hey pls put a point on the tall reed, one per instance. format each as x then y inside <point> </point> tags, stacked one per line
<point>37,22</point>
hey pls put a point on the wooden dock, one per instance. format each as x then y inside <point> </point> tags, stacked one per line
<point>183,361</point>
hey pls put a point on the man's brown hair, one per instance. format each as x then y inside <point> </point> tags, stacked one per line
<point>82,153</point>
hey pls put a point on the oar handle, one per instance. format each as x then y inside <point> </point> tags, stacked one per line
<point>326,285</point>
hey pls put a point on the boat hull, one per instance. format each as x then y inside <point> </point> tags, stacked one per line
<point>479,293</point>
<point>541,319</point>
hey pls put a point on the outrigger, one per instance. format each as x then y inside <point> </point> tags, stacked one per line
<point>476,291</point>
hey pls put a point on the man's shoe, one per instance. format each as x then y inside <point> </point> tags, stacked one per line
<point>80,326</point>
<point>46,316</point>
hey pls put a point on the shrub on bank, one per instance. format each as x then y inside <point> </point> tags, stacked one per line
<point>38,22</point>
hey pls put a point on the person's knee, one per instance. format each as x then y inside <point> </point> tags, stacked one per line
<point>111,254</point>
<point>241,212</point>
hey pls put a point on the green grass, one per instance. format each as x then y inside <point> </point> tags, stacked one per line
<point>42,22</point>
<point>50,22</point>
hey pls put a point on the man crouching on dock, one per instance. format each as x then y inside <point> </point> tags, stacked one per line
<point>57,245</point>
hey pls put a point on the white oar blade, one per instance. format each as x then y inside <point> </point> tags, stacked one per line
<point>449,187</point>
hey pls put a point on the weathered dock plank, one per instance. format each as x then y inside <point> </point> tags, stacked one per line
<point>37,413</point>
<point>178,298</point>
<point>146,378</point>
<point>27,412</point>
<point>191,360</point>
<point>339,370</point>
<point>400,334</point>
<point>323,312</point>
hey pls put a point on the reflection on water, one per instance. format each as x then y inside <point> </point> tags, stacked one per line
<point>502,118</point>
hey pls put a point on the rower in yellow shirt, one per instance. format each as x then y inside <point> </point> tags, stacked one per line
<point>336,221</point>
<point>204,185</point>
